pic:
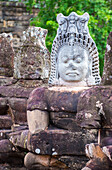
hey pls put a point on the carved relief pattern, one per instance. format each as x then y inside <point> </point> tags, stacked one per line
<point>32,60</point>
<point>73,23</point>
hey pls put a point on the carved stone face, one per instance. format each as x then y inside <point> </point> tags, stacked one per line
<point>72,63</point>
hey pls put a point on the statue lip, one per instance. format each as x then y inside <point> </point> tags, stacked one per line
<point>72,73</point>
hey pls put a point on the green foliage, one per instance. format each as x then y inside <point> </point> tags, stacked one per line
<point>100,22</point>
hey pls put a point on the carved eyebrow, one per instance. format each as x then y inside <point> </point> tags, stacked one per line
<point>78,56</point>
<point>65,56</point>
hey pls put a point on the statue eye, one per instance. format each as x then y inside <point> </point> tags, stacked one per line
<point>65,59</point>
<point>78,59</point>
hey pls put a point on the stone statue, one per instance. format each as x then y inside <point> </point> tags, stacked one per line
<point>32,60</point>
<point>74,56</point>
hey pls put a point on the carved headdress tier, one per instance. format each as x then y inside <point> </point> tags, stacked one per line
<point>73,23</point>
<point>74,56</point>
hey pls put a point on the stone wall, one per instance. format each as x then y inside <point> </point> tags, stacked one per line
<point>14,18</point>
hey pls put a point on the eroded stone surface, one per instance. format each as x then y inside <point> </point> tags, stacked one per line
<point>5,146</point>
<point>32,60</point>
<point>64,120</point>
<point>18,106</point>
<point>55,98</point>
<point>37,120</point>
<point>74,162</point>
<point>5,122</point>
<point>45,160</point>
<point>6,57</point>
<point>37,99</point>
<point>15,91</point>
<point>19,138</point>
<point>98,159</point>
<point>107,73</point>
<point>3,106</point>
<point>87,105</point>
<point>52,142</point>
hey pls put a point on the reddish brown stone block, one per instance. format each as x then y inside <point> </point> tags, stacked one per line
<point>5,146</point>
<point>64,120</point>
<point>55,99</point>
<point>55,142</point>
<point>5,122</point>
<point>37,99</point>
<point>3,106</point>
<point>63,99</point>
<point>6,57</point>
<point>87,104</point>
<point>18,107</point>
<point>15,91</point>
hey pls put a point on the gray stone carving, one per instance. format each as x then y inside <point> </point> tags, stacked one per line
<point>74,56</point>
<point>33,58</point>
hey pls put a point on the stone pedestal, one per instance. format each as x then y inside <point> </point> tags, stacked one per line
<point>57,105</point>
<point>74,121</point>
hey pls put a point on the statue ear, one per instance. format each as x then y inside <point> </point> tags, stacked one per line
<point>59,16</point>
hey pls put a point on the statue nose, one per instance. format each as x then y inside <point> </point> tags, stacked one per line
<point>72,65</point>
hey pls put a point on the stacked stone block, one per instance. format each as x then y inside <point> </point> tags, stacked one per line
<point>14,18</point>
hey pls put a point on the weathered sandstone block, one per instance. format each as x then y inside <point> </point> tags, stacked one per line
<point>55,98</point>
<point>5,122</point>
<point>54,142</point>
<point>15,91</point>
<point>31,160</point>
<point>37,120</point>
<point>6,146</point>
<point>88,106</point>
<point>37,99</point>
<point>6,57</point>
<point>3,106</point>
<point>32,60</point>
<point>64,120</point>
<point>19,138</point>
<point>18,106</point>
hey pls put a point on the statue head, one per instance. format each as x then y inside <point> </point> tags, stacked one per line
<point>74,57</point>
<point>72,63</point>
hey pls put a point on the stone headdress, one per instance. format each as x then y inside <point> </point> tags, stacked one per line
<point>73,30</point>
